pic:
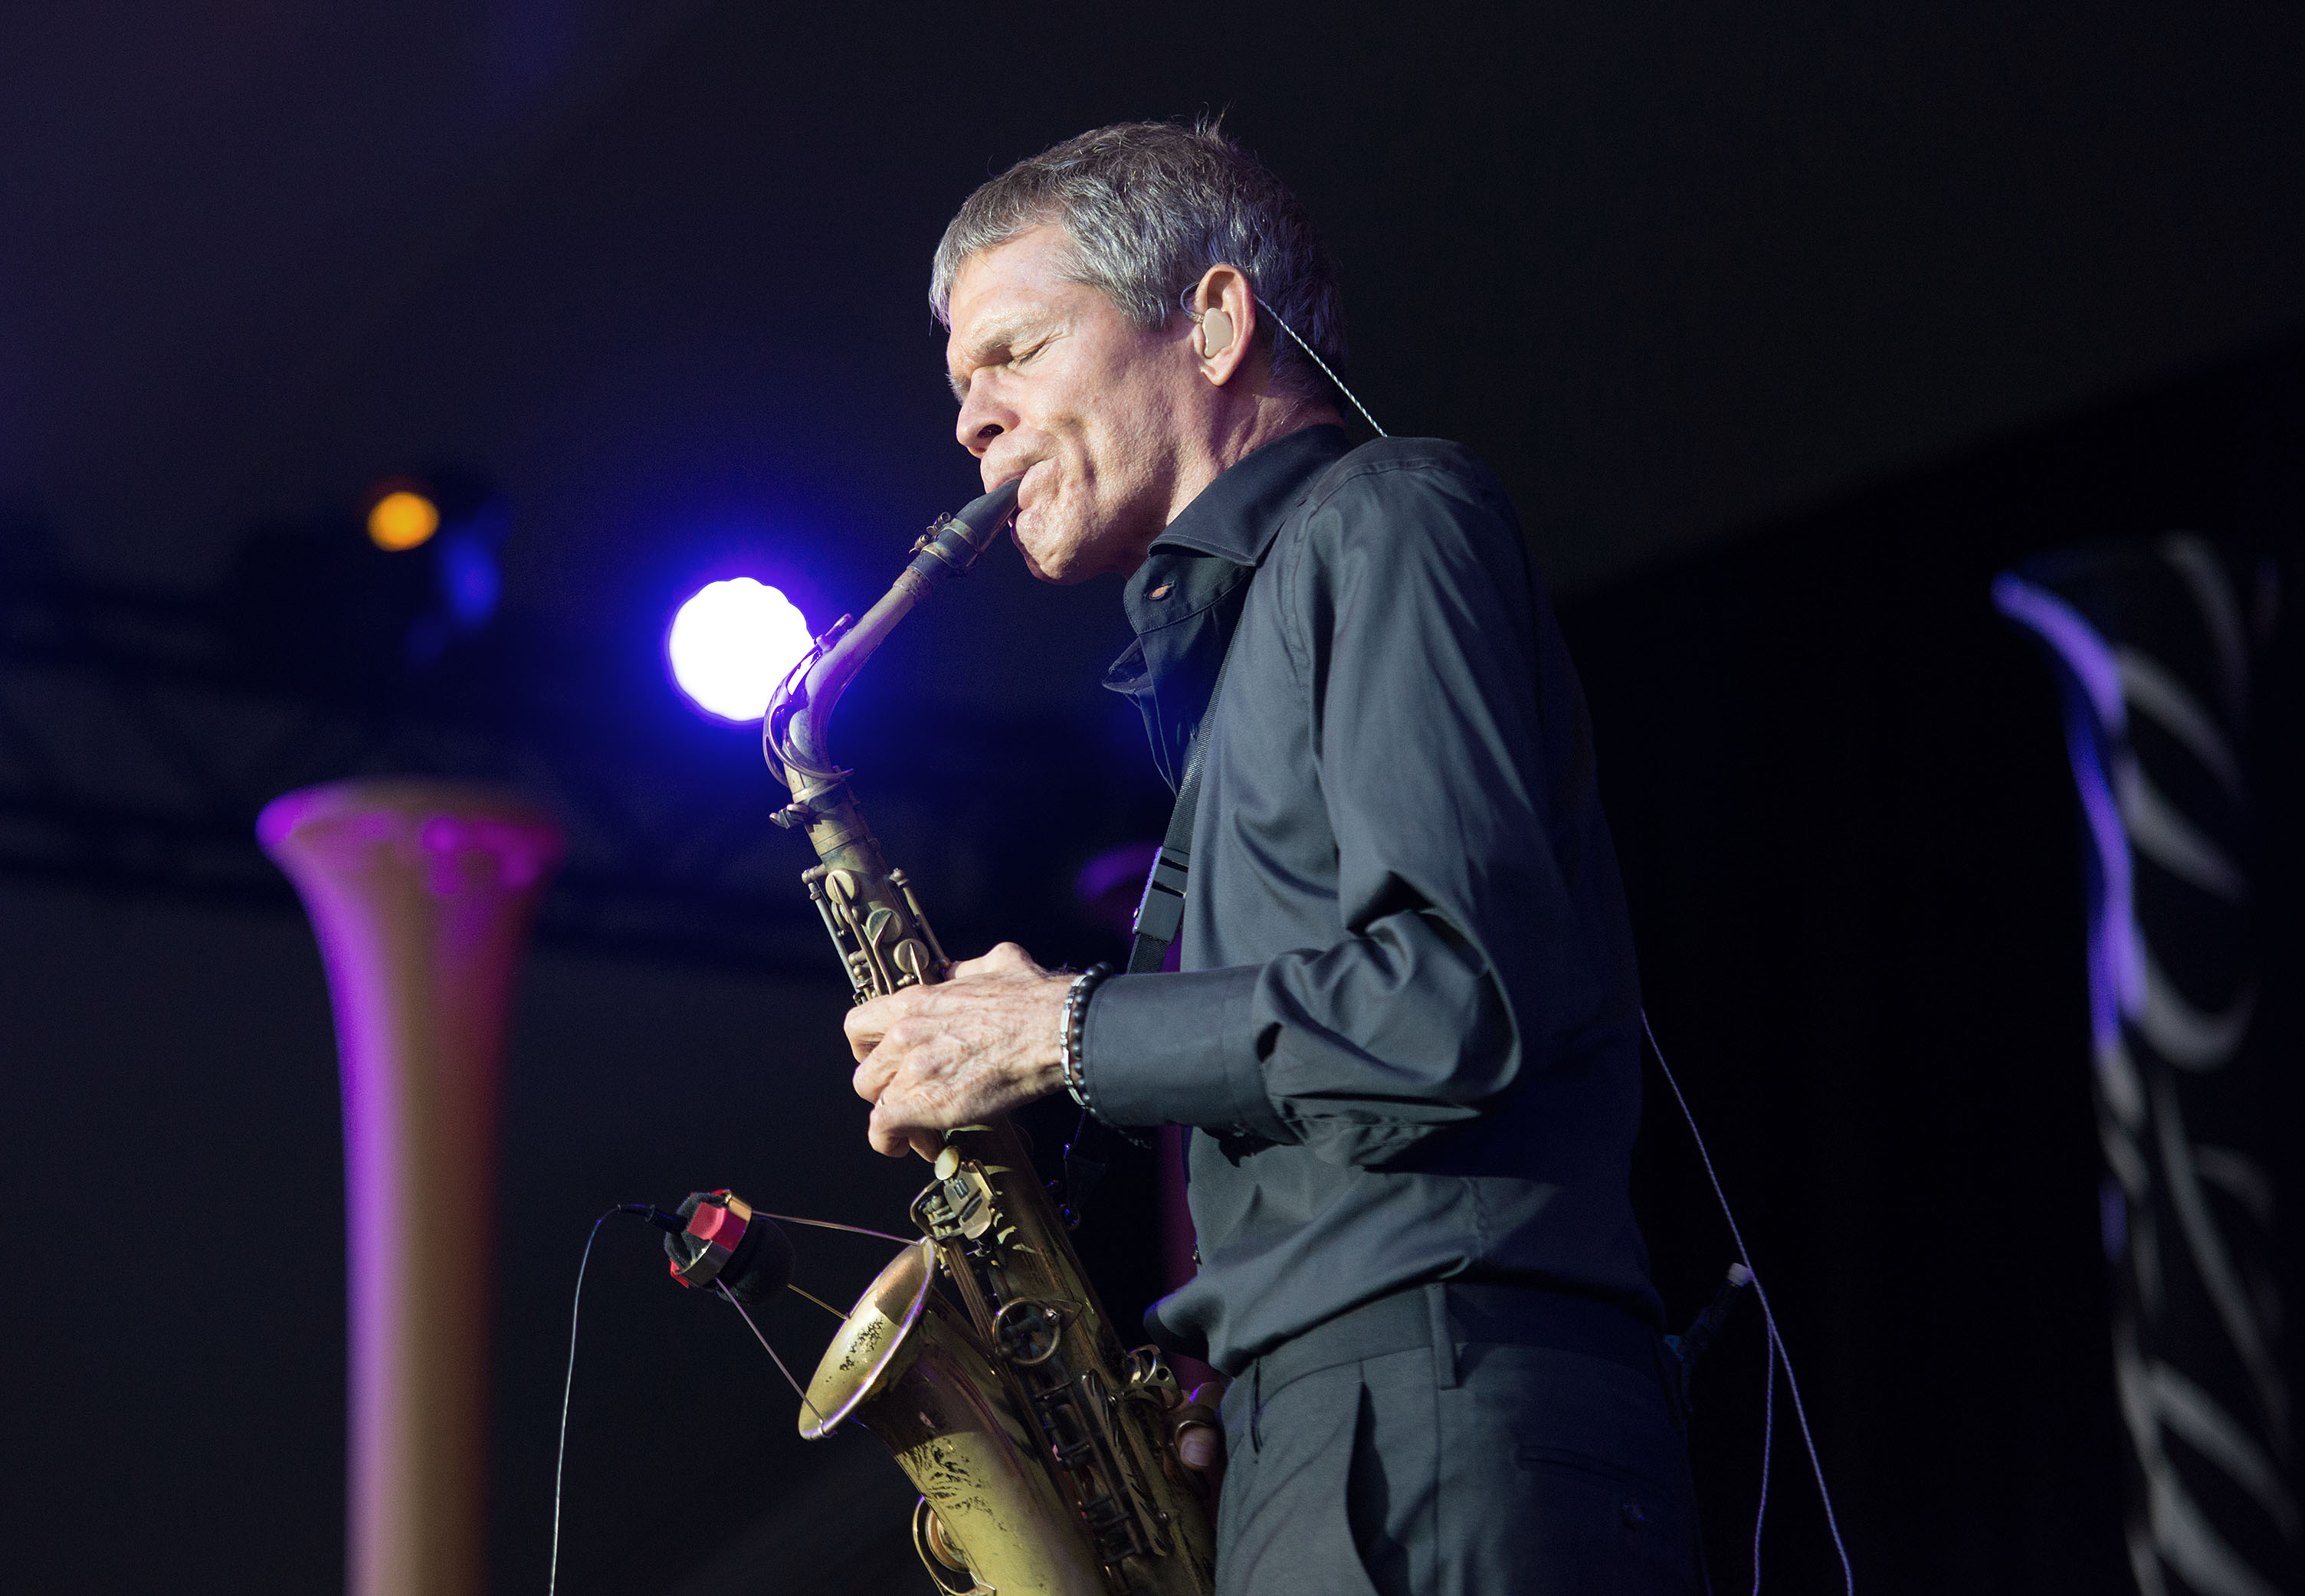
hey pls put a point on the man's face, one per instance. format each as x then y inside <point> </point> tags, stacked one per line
<point>1056,388</point>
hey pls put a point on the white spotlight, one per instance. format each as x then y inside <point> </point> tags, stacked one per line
<point>732,643</point>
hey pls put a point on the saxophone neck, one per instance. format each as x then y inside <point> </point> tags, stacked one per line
<point>795,733</point>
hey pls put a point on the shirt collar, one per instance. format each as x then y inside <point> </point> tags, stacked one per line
<point>1183,601</point>
<point>1235,516</point>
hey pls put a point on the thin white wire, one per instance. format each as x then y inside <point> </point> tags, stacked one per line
<point>1777,1350</point>
<point>771,1351</point>
<point>1768,1445</point>
<point>1186,301</point>
<point>829,1225</point>
<point>1323,365</point>
<point>552,1575</point>
<point>568,1384</point>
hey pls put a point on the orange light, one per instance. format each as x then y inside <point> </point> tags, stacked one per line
<point>401,519</point>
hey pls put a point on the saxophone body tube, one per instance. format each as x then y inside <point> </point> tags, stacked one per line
<point>1044,1449</point>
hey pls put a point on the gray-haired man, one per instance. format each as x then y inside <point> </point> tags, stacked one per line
<point>1405,1027</point>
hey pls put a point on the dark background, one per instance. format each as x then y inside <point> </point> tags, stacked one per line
<point>1785,331</point>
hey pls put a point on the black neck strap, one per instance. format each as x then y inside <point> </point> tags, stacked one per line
<point>1160,912</point>
<point>1160,915</point>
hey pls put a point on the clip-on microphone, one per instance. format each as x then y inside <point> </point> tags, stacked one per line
<point>716,1239</point>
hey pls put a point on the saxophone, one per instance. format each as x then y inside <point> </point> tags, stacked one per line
<point>1044,1451</point>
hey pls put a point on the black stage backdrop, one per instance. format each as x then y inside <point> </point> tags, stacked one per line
<point>1838,785</point>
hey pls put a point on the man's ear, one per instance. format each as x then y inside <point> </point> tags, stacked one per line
<point>1225,308</point>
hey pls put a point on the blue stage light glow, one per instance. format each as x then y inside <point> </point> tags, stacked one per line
<point>732,642</point>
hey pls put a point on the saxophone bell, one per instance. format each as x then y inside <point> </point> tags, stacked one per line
<point>910,1371</point>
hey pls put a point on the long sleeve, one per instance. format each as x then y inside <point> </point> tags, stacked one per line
<point>1407,654</point>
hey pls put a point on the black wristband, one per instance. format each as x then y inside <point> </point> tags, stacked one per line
<point>1071,1059</point>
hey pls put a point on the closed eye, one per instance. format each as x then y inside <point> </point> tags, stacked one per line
<point>1006,349</point>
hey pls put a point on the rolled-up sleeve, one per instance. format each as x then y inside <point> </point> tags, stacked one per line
<point>1411,623</point>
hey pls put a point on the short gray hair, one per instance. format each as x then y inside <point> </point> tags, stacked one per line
<point>1149,207</point>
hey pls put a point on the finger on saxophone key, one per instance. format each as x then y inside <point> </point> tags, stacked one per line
<point>1199,1433</point>
<point>1199,1446</point>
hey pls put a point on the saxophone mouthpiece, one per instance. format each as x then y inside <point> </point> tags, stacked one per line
<point>951,548</point>
<point>986,516</point>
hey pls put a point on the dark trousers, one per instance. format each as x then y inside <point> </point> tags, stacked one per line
<point>1488,1468</point>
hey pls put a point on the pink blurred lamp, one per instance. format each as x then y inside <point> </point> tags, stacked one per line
<point>421,894</point>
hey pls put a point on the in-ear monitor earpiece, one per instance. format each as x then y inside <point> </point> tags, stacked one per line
<point>1209,346</point>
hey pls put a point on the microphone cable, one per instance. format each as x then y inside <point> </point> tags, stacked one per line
<point>560,1459</point>
<point>1777,1352</point>
<point>670,1223</point>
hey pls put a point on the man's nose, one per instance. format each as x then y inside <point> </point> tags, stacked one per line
<point>981,421</point>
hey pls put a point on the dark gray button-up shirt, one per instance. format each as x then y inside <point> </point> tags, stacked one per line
<point>1406,1020</point>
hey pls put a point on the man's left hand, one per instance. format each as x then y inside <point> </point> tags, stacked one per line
<point>930,1058</point>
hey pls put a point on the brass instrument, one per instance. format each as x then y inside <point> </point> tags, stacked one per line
<point>1044,1451</point>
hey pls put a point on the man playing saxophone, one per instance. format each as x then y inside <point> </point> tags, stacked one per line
<point>1405,1026</point>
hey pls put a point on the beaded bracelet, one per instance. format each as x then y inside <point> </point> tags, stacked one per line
<point>1070,1063</point>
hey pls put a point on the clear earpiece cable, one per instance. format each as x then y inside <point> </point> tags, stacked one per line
<point>1323,365</point>
<point>1185,302</point>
